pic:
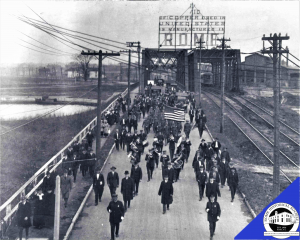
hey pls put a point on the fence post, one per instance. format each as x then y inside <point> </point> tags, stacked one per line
<point>57,209</point>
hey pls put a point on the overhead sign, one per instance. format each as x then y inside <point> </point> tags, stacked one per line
<point>180,29</point>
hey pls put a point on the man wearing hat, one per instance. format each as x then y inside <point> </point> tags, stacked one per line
<point>216,145</point>
<point>116,210</point>
<point>213,214</point>
<point>166,193</point>
<point>113,180</point>
<point>225,154</point>
<point>171,141</point>
<point>233,181</point>
<point>223,171</point>
<point>150,159</point>
<point>98,185</point>
<point>201,178</point>
<point>23,216</point>
<point>170,172</point>
<point>136,174</point>
<point>212,189</point>
<point>191,113</point>
<point>164,159</point>
<point>187,128</point>
<point>65,186</point>
<point>127,189</point>
<point>117,137</point>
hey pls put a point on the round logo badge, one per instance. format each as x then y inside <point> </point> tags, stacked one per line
<point>281,221</point>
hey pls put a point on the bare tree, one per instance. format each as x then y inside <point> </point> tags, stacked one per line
<point>84,61</point>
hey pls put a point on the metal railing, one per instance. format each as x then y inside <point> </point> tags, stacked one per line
<point>31,185</point>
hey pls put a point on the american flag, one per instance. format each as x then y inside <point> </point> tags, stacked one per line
<point>175,114</point>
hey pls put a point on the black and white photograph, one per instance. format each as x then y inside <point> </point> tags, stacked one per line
<point>149,120</point>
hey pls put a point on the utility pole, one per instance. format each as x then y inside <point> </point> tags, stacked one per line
<point>200,47</point>
<point>101,56</point>
<point>121,73</point>
<point>275,50</point>
<point>192,5</point>
<point>223,46</point>
<point>139,65</point>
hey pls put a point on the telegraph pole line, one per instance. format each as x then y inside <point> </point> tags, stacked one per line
<point>223,46</point>
<point>275,50</point>
<point>200,59</point>
<point>192,5</point>
<point>101,56</point>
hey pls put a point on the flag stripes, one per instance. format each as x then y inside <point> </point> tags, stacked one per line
<point>174,114</point>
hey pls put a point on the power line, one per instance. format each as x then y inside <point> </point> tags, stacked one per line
<point>76,37</point>
<point>52,35</point>
<point>41,51</point>
<point>81,32</point>
<point>45,44</point>
<point>44,48</point>
<point>22,125</point>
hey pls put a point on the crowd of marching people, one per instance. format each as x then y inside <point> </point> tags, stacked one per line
<point>212,167</point>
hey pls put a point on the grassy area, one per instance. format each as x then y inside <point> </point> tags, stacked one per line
<point>256,186</point>
<point>26,149</point>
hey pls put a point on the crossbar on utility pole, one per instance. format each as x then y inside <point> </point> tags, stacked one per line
<point>275,41</point>
<point>101,55</point>
<point>200,47</point>
<point>223,70</point>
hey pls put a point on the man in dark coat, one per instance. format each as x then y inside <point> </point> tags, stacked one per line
<point>48,184</point>
<point>223,171</point>
<point>166,193</point>
<point>192,114</point>
<point>150,159</point>
<point>127,189</point>
<point>117,137</point>
<point>98,185</point>
<point>90,138</point>
<point>212,189</point>
<point>170,172</point>
<point>128,140</point>
<point>202,180</point>
<point>225,154</point>
<point>171,141</point>
<point>164,159</point>
<point>187,146</point>
<point>116,210</point>
<point>187,128</point>
<point>23,216</point>
<point>200,122</point>
<point>123,138</point>
<point>112,180</point>
<point>213,214</point>
<point>216,145</point>
<point>233,181</point>
<point>136,174</point>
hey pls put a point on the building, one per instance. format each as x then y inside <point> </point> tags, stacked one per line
<point>257,70</point>
<point>283,218</point>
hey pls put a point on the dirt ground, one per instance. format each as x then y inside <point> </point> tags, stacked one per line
<point>257,186</point>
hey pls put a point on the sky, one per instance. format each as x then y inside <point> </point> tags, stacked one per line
<point>123,21</point>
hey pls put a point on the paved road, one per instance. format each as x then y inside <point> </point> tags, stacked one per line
<point>186,218</point>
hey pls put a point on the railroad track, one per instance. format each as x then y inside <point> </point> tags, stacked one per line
<point>290,136</point>
<point>247,129</point>
<point>271,114</point>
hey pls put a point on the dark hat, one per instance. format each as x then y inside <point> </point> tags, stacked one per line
<point>166,176</point>
<point>141,130</point>
<point>113,168</point>
<point>231,164</point>
<point>65,170</point>
<point>201,166</point>
<point>126,172</point>
<point>203,140</point>
<point>114,195</point>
